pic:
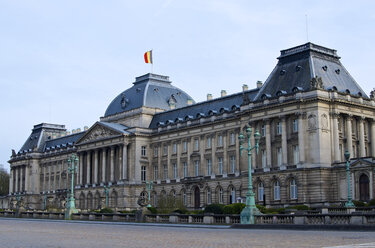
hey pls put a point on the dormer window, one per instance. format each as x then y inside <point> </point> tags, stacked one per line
<point>337,71</point>
<point>282,72</point>
<point>298,68</point>
<point>325,68</point>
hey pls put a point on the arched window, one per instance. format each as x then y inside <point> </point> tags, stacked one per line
<point>276,190</point>
<point>89,201</point>
<point>221,196</point>
<point>364,191</point>
<point>208,196</point>
<point>293,189</point>
<point>154,199</point>
<point>232,197</point>
<point>261,191</point>
<point>184,198</point>
<point>113,199</point>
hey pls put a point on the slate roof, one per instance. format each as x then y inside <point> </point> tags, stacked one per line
<point>63,142</point>
<point>150,90</point>
<point>211,107</point>
<point>297,66</point>
<point>39,135</point>
<point>115,126</point>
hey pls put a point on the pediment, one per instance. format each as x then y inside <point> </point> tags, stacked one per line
<point>98,132</point>
<point>361,163</point>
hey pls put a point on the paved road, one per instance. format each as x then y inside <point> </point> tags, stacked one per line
<point>44,233</point>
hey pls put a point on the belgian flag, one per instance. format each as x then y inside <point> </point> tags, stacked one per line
<point>148,57</point>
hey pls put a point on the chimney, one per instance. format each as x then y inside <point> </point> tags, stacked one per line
<point>259,84</point>
<point>245,87</point>
<point>223,93</point>
<point>209,97</point>
<point>189,102</point>
<point>78,130</point>
<point>85,128</point>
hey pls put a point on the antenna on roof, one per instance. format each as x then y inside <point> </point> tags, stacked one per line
<point>307,29</point>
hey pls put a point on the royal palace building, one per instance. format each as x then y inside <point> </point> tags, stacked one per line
<point>308,112</point>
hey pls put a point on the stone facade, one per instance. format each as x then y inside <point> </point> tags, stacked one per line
<point>192,152</point>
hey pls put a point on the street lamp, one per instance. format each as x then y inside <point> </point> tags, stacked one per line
<point>149,188</point>
<point>106,190</point>
<point>349,203</point>
<point>247,214</point>
<point>72,163</point>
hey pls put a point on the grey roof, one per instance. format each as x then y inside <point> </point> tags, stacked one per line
<point>297,67</point>
<point>115,126</point>
<point>63,142</point>
<point>150,90</point>
<point>211,107</point>
<point>39,135</point>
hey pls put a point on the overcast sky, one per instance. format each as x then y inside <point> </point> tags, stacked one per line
<point>63,62</point>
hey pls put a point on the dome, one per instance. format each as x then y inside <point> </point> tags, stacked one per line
<point>149,90</point>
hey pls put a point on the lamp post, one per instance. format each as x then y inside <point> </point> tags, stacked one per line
<point>72,163</point>
<point>349,203</point>
<point>149,188</point>
<point>247,214</point>
<point>106,190</point>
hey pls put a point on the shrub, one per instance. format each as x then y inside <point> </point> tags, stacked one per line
<point>214,208</point>
<point>261,208</point>
<point>234,208</point>
<point>106,211</point>
<point>359,203</point>
<point>153,210</point>
<point>196,212</point>
<point>371,202</point>
<point>299,207</point>
<point>181,211</point>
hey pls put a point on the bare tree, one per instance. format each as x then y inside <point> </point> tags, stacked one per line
<point>4,181</point>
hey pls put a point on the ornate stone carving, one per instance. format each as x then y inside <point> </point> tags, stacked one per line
<point>372,94</point>
<point>317,83</point>
<point>311,122</point>
<point>124,101</point>
<point>324,121</point>
<point>99,132</point>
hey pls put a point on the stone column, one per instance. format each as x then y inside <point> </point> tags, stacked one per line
<point>362,149</point>
<point>81,168</point>
<point>26,178</point>
<point>54,175</point>
<point>96,168</point>
<point>349,142</point>
<point>301,137</point>
<point>284,145</point>
<point>16,169</point>
<point>21,189</point>
<point>253,152</point>
<point>112,179</point>
<point>88,165</point>
<point>373,138</point>
<point>104,165</point>
<point>49,177</point>
<point>335,134</point>
<point>225,155</point>
<point>125,162</point>
<point>11,180</point>
<point>120,161</point>
<point>268,144</point>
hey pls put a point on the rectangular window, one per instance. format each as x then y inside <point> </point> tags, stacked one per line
<point>279,156</point>
<point>165,171</point>
<point>143,151</point>
<point>260,192</point>
<point>232,164</point>
<point>196,167</point>
<point>174,148</point>
<point>209,167</point>
<point>220,140</point>
<point>295,125</point>
<point>143,173</point>
<point>156,172</point>
<point>264,158</point>
<point>165,150</point>
<point>155,151</point>
<point>220,165</point>
<point>232,139</point>
<point>196,144</point>
<point>208,142</point>
<point>174,170</point>
<point>278,128</point>
<point>296,154</point>
<point>184,149</point>
<point>263,131</point>
<point>185,171</point>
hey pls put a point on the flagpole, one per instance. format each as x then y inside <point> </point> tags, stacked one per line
<point>152,64</point>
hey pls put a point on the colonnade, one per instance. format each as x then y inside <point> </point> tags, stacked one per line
<point>349,135</point>
<point>18,179</point>
<point>103,165</point>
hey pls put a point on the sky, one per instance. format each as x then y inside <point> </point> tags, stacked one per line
<point>63,62</point>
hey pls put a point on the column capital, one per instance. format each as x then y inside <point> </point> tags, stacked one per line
<point>335,114</point>
<point>301,114</point>
<point>349,117</point>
